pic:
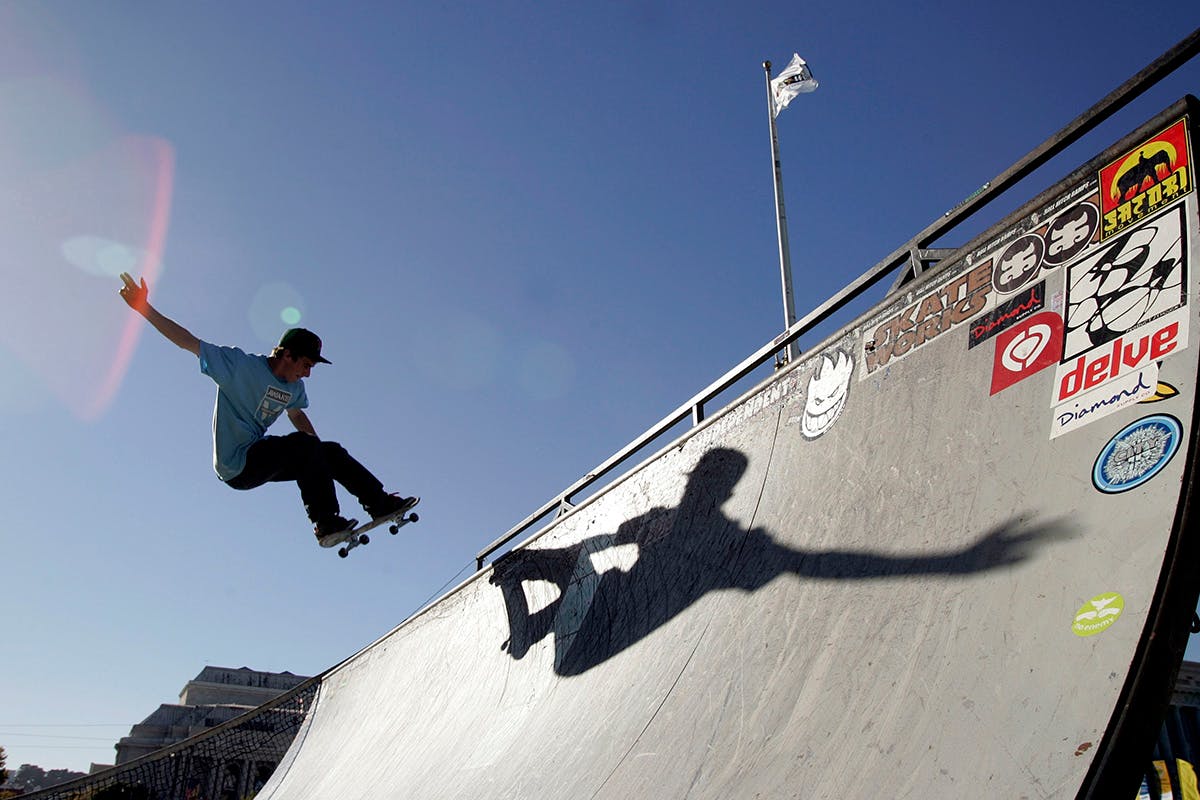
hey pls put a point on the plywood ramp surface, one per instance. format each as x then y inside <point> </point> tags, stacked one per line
<point>924,562</point>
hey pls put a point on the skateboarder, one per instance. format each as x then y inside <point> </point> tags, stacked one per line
<point>252,391</point>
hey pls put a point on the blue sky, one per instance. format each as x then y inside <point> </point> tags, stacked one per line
<point>525,232</point>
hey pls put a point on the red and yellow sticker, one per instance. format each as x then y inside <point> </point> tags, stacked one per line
<point>1150,176</point>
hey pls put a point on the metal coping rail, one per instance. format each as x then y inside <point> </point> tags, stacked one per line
<point>911,254</point>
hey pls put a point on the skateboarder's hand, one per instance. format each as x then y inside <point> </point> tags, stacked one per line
<point>136,296</point>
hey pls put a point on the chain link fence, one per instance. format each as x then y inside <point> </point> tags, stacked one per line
<point>231,761</point>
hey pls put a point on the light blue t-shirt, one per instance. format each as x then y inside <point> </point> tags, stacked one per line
<point>249,399</point>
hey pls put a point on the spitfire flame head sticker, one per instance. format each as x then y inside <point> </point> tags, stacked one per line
<point>1137,453</point>
<point>828,389</point>
<point>1098,614</point>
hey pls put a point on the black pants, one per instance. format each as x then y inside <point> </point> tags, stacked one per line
<point>314,465</point>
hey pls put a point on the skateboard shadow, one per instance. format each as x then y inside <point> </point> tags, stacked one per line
<point>685,552</point>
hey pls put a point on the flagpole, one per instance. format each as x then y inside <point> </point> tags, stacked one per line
<point>785,258</point>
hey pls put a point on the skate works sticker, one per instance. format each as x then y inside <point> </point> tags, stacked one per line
<point>1027,348</point>
<point>1137,453</point>
<point>937,312</point>
<point>1145,179</point>
<point>1098,614</point>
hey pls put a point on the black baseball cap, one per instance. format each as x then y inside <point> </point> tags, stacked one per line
<point>302,342</point>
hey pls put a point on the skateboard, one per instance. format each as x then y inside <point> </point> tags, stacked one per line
<point>356,535</point>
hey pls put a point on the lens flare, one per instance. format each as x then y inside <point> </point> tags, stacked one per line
<point>275,307</point>
<point>102,257</point>
<point>121,186</point>
<point>150,266</point>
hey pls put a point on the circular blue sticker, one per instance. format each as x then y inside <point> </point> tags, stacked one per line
<point>1137,453</point>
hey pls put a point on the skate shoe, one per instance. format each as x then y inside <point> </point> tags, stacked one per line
<point>390,504</point>
<point>330,530</point>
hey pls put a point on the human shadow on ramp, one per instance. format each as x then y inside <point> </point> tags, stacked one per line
<point>685,552</point>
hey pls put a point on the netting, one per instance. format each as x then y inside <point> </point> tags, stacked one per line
<point>231,761</point>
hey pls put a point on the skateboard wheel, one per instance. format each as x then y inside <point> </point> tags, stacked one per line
<point>343,552</point>
<point>413,518</point>
<point>394,529</point>
<point>364,539</point>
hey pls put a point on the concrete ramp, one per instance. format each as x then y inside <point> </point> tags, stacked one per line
<point>946,554</point>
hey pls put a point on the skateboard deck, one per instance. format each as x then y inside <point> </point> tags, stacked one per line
<point>356,535</point>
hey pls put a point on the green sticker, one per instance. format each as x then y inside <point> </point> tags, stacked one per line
<point>1098,614</point>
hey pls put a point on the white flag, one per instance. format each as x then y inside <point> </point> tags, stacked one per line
<point>796,79</point>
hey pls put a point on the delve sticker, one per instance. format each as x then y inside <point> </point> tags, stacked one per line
<point>1137,453</point>
<point>1098,614</point>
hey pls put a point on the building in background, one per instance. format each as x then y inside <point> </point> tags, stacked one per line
<point>216,695</point>
<point>228,761</point>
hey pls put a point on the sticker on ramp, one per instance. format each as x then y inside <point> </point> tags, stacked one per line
<point>1137,453</point>
<point>828,389</point>
<point>1098,614</point>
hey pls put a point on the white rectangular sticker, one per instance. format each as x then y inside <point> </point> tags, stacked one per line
<point>1108,399</point>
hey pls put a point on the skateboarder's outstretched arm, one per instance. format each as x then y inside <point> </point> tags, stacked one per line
<point>138,298</point>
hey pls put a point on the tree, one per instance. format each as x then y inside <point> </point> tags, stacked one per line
<point>30,778</point>
<point>4,776</point>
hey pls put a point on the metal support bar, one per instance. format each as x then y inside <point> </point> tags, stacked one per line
<point>920,260</point>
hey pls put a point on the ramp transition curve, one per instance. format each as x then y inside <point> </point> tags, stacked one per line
<point>945,554</point>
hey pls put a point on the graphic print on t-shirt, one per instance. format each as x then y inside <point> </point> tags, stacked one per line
<point>272,405</point>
